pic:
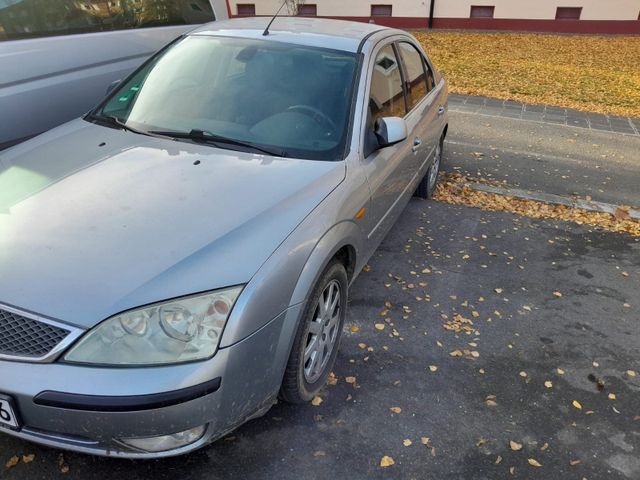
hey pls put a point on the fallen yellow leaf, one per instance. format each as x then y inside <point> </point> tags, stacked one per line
<point>631,373</point>
<point>396,409</point>
<point>425,440</point>
<point>576,404</point>
<point>386,461</point>
<point>406,442</point>
<point>316,401</point>
<point>533,462</point>
<point>379,326</point>
<point>354,328</point>
<point>515,446</point>
<point>548,384</point>
<point>12,462</point>
<point>557,294</point>
<point>28,458</point>
<point>433,368</point>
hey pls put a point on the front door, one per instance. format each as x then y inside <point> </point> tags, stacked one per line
<point>387,170</point>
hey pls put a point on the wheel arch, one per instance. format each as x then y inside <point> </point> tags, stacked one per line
<point>342,242</point>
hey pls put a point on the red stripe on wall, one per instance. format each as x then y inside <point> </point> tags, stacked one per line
<point>621,27</point>
<point>395,22</point>
<point>557,26</point>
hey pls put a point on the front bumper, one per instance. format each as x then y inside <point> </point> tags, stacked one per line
<point>99,406</point>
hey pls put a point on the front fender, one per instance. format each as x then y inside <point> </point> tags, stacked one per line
<point>288,276</point>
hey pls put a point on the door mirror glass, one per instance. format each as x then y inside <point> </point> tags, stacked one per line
<point>390,130</point>
<point>113,86</point>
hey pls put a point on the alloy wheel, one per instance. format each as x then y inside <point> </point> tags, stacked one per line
<point>323,332</point>
<point>435,168</point>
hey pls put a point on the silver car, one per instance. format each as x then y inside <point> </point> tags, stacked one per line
<point>179,259</point>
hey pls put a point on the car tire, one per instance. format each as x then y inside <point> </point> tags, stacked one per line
<point>427,186</point>
<point>318,337</point>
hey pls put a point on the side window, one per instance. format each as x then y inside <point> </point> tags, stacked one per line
<point>29,18</point>
<point>419,79</point>
<point>431,79</point>
<point>386,98</point>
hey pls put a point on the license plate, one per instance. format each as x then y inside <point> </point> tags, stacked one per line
<point>8,414</point>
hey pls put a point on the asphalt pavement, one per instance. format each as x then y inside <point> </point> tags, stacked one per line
<point>544,156</point>
<point>497,329</point>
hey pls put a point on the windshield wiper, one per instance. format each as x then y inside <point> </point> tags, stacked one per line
<point>208,137</point>
<point>117,123</point>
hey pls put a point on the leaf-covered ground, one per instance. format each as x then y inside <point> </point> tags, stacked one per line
<point>454,189</point>
<point>590,73</point>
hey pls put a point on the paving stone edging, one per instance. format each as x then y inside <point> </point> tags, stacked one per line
<point>544,113</point>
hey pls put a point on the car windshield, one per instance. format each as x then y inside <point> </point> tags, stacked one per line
<point>278,97</point>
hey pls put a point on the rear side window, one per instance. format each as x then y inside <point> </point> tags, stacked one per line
<point>418,78</point>
<point>387,95</point>
<point>33,18</point>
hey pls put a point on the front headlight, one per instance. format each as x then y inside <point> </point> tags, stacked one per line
<point>175,331</point>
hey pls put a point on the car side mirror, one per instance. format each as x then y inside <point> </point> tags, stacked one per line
<point>390,130</point>
<point>113,86</point>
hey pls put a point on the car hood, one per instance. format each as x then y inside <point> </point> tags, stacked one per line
<point>94,221</point>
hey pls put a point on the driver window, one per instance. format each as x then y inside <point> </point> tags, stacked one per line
<point>387,95</point>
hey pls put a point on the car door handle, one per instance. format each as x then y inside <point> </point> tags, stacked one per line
<point>416,144</point>
<point>441,110</point>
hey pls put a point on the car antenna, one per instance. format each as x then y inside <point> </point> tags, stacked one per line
<point>266,30</point>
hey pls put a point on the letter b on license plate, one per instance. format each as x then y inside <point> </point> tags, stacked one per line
<point>8,417</point>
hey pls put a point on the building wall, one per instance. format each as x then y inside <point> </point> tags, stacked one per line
<point>606,16</point>
<point>543,9</point>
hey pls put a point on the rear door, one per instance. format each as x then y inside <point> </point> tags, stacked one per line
<point>422,118</point>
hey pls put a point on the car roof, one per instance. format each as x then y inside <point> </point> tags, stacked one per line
<point>318,32</point>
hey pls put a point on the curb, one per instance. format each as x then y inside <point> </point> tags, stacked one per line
<point>547,114</point>
<point>588,205</point>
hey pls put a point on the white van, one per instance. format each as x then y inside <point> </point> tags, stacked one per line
<point>57,58</point>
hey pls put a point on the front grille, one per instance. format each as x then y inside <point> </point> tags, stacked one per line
<point>24,337</point>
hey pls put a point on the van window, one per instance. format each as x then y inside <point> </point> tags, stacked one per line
<point>35,18</point>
